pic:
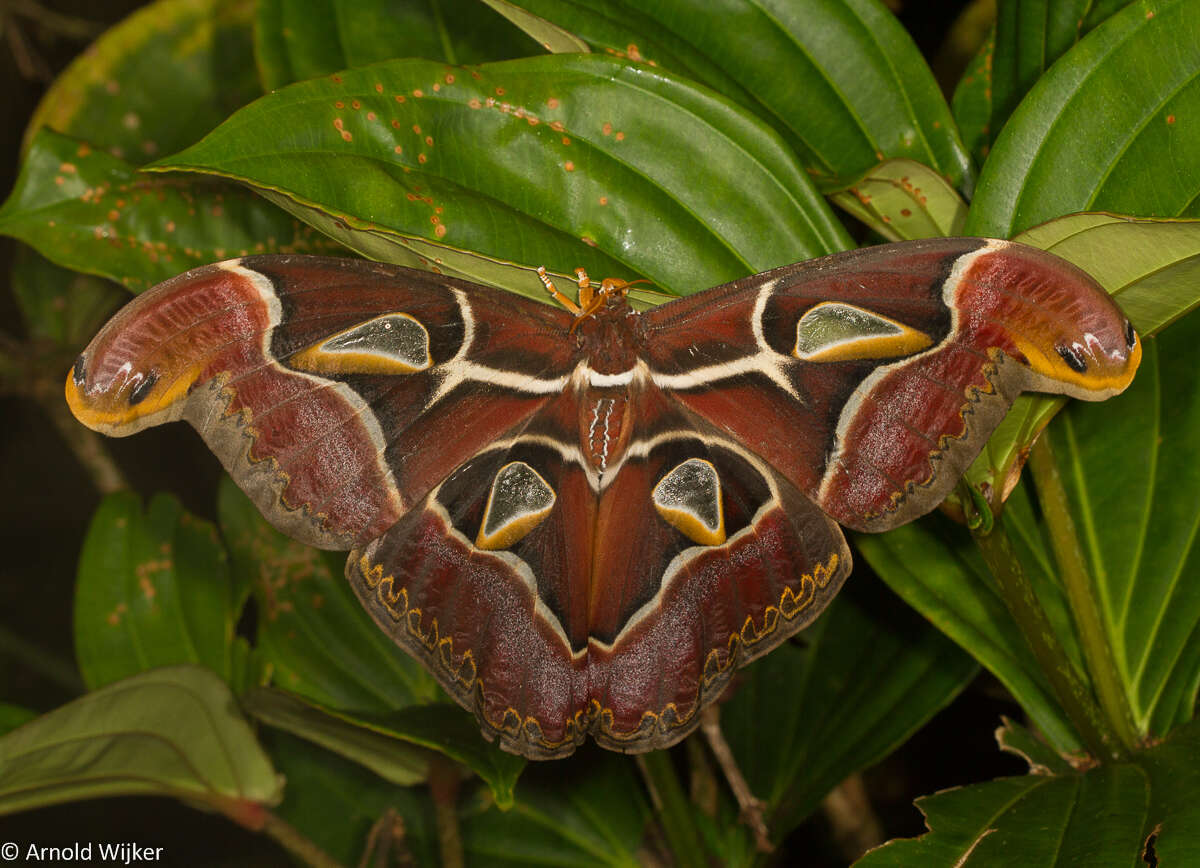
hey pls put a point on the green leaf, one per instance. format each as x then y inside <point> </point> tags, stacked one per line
<point>158,81</point>
<point>368,738</point>
<point>173,731</point>
<point>903,200</point>
<point>153,589</point>
<point>1134,485</point>
<point>972,102</point>
<point>562,160</point>
<point>60,305</point>
<point>587,810</point>
<point>392,761</point>
<point>848,703</point>
<point>841,80</point>
<point>311,628</point>
<point>90,212</point>
<point>299,39</point>
<point>1105,816</point>
<point>321,785</point>
<point>935,567</point>
<point>1083,141</point>
<point>554,39</point>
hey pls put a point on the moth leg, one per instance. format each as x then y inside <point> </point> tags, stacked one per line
<point>556,294</point>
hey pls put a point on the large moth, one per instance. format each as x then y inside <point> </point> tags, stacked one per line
<point>583,521</point>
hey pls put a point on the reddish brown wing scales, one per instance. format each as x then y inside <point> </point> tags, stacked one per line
<point>879,439</point>
<point>604,619</point>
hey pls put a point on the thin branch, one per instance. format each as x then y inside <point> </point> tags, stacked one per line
<point>1081,592</point>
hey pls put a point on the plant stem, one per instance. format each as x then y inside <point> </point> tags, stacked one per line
<point>679,826</point>
<point>444,778</point>
<point>1081,592</point>
<point>1072,693</point>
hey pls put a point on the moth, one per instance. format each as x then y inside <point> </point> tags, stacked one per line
<point>582,519</point>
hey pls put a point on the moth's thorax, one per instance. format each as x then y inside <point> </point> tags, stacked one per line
<point>608,340</point>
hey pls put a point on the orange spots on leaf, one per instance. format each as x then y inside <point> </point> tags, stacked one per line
<point>620,137</point>
<point>436,87</point>
<point>1171,119</point>
<point>439,231</point>
<point>905,212</point>
<point>337,124</point>
<point>565,140</point>
<point>339,104</point>
<point>569,166</point>
<point>170,227</point>
<point>449,78</point>
<point>401,98</point>
<point>429,141</point>
<point>606,129</point>
<point>552,102</point>
<point>59,180</point>
<point>499,91</point>
<point>399,149</point>
<point>474,103</point>
<point>356,105</point>
<point>378,87</point>
<point>421,158</point>
<point>371,116</point>
<point>416,128</point>
<point>395,124</point>
<point>67,168</point>
<point>83,150</point>
<point>114,216</point>
<point>590,242</point>
<point>336,78</point>
<point>418,93</point>
<point>603,200</point>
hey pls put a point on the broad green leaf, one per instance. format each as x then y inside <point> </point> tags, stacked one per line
<point>321,785</point>
<point>157,81</point>
<point>1019,741</point>
<point>1134,484</point>
<point>563,160</point>
<point>935,568</point>
<point>410,732</point>
<point>1105,129</point>
<point>549,36</point>
<point>1030,36</point>
<point>903,200</point>
<point>1104,816</point>
<point>972,102</point>
<point>58,304</point>
<point>387,757</point>
<point>299,39</point>
<point>589,810</point>
<point>153,589</point>
<point>848,703</point>
<point>89,211</point>
<point>173,731</point>
<point>321,642</point>
<point>841,80</point>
